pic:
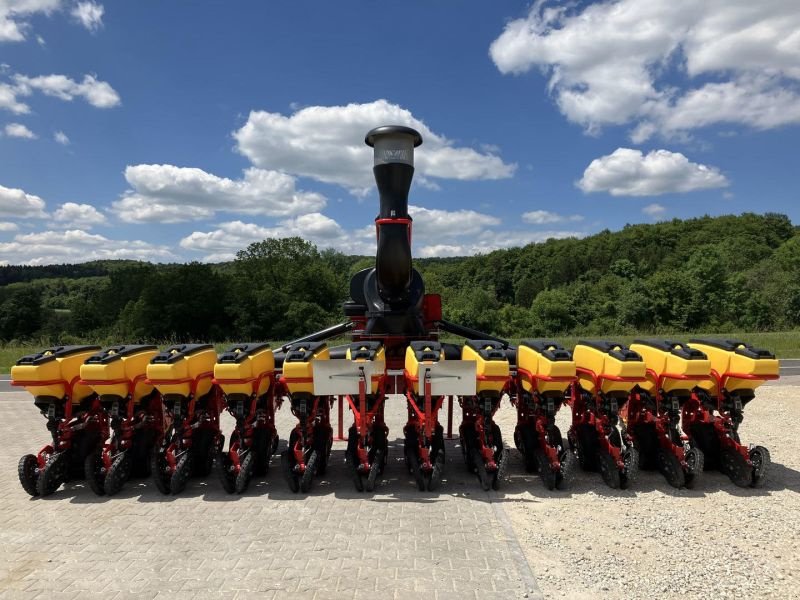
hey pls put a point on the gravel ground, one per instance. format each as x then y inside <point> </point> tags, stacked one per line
<point>653,541</point>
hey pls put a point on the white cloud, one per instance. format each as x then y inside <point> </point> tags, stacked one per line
<point>97,93</point>
<point>223,243</point>
<point>326,143</point>
<point>61,138</point>
<point>16,203</point>
<point>488,241</point>
<point>654,210</point>
<point>432,223</point>
<point>88,14</point>
<point>76,246</point>
<point>627,172</point>
<point>171,194</point>
<point>435,233</point>
<point>544,217</point>
<point>6,226</point>
<point>614,63</point>
<point>14,15</point>
<point>18,130</point>
<point>82,216</point>
<point>10,102</point>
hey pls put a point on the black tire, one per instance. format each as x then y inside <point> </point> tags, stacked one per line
<point>374,470</point>
<point>435,480</point>
<point>586,448</point>
<point>629,473</point>
<point>28,472</point>
<point>274,446</point>
<point>245,473</point>
<point>736,467</point>
<point>308,475</point>
<point>224,473</point>
<point>323,440</point>
<point>480,469</point>
<point>761,460</point>
<point>609,470</point>
<point>140,451</point>
<point>695,461</point>
<point>546,473</point>
<point>569,464</point>
<point>119,473</point>
<point>183,470</point>
<point>261,450</point>
<point>94,472</point>
<point>529,448</point>
<point>202,453</point>
<point>670,467</point>
<point>412,460</point>
<point>53,474</point>
<point>501,458</point>
<point>158,470</point>
<point>288,473</point>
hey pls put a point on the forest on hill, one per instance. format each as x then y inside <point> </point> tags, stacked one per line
<point>729,273</point>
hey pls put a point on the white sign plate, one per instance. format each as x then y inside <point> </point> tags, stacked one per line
<point>450,378</point>
<point>339,377</point>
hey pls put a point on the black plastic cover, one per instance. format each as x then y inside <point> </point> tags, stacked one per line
<point>550,349</point>
<point>40,358</point>
<point>364,350</point>
<point>451,351</point>
<point>426,350</point>
<point>487,349</point>
<point>683,351</point>
<point>114,353</point>
<point>736,346</point>
<point>237,353</point>
<point>302,352</point>
<point>175,353</point>
<point>614,349</point>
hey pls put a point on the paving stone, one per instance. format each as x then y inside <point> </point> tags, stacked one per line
<point>266,543</point>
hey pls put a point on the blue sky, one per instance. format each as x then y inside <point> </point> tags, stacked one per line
<point>175,131</point>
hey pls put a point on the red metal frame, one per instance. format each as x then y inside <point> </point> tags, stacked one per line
<point>536,414</point>
<point>365,420</point>
<point>397,221</point>
<point>62,434</point>
<point>245,427</point>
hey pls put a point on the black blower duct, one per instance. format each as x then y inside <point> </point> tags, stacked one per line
<point>390,295</point>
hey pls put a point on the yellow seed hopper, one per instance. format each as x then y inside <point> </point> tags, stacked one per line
<point>111,371</point>
<point>677,366</point>
<point>612,366</point>
<point>492,368</point>
<point>298,371</point>
<point>51,371</point>
<point>239,368</point>
<point>372,351</point>
<point>730,358</point>
<point>547,363</point>
<point>179,368</point>
<point>421,352</point>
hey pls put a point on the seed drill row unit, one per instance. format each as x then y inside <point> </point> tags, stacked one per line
<point>133,410</point>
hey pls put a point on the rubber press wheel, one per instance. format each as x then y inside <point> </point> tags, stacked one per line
<point>480,469</point>
<point>119,473</point>
<point>159,471</point>
<point>374,470</point>
<point>225,473</point>
<point>695,460</point>
<point>609,470</point>
<point>245,472</point>
<point>95,472</point>
<point>569,464</point>
<point>735,466</point>
<point>308,475</point>
<point>760,458</point>
<point>630,472</point>
<point>549,477</point>
<point>28,472</point>
<point>288,472</point>
<point>670,467</point>
<point>183,470</point>
<point>53,474</point>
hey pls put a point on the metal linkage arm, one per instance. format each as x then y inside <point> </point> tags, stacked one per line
<point>469,333</point>
<point>323,334</point>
